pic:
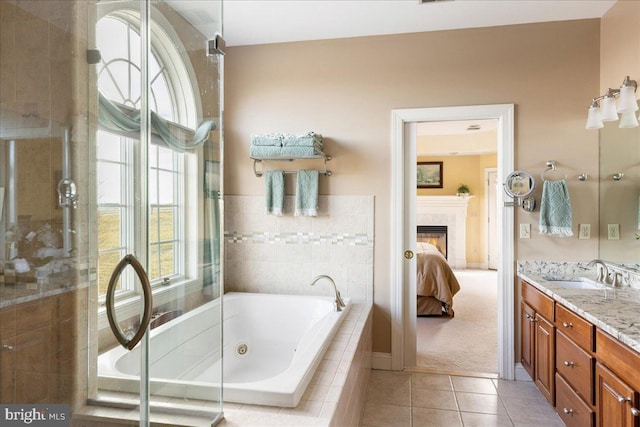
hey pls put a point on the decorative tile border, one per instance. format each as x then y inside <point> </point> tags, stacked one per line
<point>347,239</point>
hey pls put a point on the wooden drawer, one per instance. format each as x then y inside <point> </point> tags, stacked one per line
<point>619,358</point>
<point>576,366</point>
<point>541,303</point>
<point>576,328</point>
<point>572,410</point>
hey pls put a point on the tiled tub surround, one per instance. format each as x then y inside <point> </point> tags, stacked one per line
<point>335,396</point>
<point>281,254</point>
<point>614,310</point>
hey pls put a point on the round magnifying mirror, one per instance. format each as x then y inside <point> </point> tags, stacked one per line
<point>519,184</point>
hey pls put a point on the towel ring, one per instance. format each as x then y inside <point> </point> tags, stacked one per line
<point>551,166</point>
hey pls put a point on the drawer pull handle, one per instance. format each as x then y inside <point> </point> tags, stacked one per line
<point>532,319</point>
<point>568,411</point>
<point>622,399</point>
<point>528,316</point>
<point>635,412</point>
<point>567,363</point>
<point>567,325</point>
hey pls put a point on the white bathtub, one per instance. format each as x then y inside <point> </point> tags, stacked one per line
<point>285,338</point>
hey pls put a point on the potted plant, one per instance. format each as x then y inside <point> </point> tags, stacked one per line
<point>463,190</point>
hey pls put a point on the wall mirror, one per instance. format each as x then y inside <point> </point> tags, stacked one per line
<point>519,185</point>
<point>619,198</point>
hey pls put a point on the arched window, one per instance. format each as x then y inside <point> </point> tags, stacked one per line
<point>122,225</point>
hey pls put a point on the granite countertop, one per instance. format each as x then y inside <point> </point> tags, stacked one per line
<point>614,310</point>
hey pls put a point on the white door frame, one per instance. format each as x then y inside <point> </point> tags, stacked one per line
<point>487,229</point>
<point>399,297</point>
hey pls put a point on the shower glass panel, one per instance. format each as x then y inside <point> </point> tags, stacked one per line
<point>158,164</point>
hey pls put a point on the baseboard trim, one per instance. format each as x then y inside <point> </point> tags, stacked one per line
<point>521,373</point>
<point>381,361</point>
<point>477,266</point>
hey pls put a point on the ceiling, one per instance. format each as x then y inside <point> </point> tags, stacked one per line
<point>249,22</point>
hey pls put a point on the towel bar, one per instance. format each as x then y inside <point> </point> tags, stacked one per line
<point>323,171</point>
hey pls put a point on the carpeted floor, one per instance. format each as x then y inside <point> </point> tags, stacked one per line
<point>468,341</point>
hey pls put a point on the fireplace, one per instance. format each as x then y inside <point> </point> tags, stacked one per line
<point>435,235</point>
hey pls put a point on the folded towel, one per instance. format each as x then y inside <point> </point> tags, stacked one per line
<point>305,139</point>
<point>307,193</point>
<point>300,151</point>
<point>274,192</point>
<point>268,139</point>
<point>264,151</point>
<point>555,209</point>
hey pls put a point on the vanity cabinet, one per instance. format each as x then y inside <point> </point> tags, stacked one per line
<point>538,339</point>
<point>591,378</point>
<point>575,364</point>
<point>617,382</point>
<point>527,314</point>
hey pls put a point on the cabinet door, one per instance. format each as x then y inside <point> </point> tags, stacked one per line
<point>527,315</point>
<point>544,357</point>
<point>614,400</point>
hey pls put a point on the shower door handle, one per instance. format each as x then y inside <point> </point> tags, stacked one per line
<point>131,260</point>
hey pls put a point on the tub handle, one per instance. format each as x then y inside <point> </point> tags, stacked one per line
<point>131,260</point>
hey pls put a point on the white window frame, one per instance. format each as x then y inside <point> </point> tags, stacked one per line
<point>180,78</point>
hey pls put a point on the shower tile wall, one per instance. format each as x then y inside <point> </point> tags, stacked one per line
<point>282,254</point>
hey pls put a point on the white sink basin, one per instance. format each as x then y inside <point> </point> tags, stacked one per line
<point>577,283</point>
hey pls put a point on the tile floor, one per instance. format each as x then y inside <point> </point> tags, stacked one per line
<point>411,399</point>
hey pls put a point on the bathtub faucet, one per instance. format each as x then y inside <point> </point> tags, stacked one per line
<point>339,302</point>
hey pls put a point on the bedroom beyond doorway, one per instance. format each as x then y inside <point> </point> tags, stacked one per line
<point>467,342</point>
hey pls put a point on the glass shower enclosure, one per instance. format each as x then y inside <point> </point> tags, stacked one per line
<point>110,207</point>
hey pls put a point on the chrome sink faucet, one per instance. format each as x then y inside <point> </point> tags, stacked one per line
<point>603,271</point>
<point>339,303</point>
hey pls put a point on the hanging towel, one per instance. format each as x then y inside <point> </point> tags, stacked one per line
<point>307,193</point>
<point>274,192</point>
<point>555,209</point>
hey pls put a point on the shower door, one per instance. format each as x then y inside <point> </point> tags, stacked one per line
<point>158,78</point>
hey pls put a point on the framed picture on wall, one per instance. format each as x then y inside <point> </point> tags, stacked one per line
<point>429,174</point>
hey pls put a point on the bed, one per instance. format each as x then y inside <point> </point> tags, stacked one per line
<point>435,282</point>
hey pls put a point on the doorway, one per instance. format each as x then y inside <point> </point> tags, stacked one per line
<point>403,232</point>
<point>465,339</point>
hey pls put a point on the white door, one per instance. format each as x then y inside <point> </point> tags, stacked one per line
<point>403,170</point>
<point>410,237</point>
<point>492,218</point>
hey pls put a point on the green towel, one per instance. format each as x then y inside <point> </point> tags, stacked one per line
<point>300,151</point>
<point>555,209</point>
<point>274,192</point>
<point>304,139</point>
<point>268,139</point>
<point>307,193</point>
<point>264,151</point>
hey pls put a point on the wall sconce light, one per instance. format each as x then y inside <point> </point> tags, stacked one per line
<point>603,108</point>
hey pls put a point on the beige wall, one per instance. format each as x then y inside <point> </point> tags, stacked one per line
<point>345,89</point>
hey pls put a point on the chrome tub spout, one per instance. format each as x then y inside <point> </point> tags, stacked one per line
<point>339,303</point>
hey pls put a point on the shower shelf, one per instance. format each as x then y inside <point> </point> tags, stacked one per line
<point>323,171</point>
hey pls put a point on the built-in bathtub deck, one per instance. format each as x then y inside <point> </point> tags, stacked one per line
<point>335,396</point>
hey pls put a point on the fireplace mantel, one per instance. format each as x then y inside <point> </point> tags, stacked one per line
<point>452,212</point>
